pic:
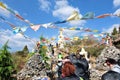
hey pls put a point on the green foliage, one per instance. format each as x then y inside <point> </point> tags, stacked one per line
<point>30,54</point>
<point>114,31</point>
<point>42,52</point>
<point>6,63</point>
<point>19,61</point>
<point>19,53</point>
<point>25,49</point>
<point>24,52</point>
<point>95,51</point>
<point>44,56</point>
<point>20,57</point>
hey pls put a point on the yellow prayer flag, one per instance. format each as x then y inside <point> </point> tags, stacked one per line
<point>2,5</point>
<point>72,28</point>
<point>75,38</point>
<point>74,16</point>
<point>95,30</point>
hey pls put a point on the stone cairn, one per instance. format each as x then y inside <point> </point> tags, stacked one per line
<point>100,69</point>
<point>33,69</point>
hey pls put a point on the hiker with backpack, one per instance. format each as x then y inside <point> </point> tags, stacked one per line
<point>81,65</point>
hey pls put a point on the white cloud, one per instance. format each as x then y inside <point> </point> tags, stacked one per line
<point>77,23</point>
<point>44,5</point>
<point>16,42</point>
<point>117,12</point>
<point>4,12</point>
<point>63,10</point>
<point>109,30</point>
<point>116,3</point>
<point>70,33</point>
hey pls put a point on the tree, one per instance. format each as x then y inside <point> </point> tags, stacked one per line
<point>114,31</point>
<point>6,63</point>
<point>25,50</point>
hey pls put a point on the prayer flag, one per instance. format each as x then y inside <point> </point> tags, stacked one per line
<point>73,16</point>
<point>48,25</point>
<point>103,15</point>
<point>89,15</point>
<point>2,5</point>
<point>58,22</point>
<point>18,16</point>
<point>23,29</point>
<point>35,27</point>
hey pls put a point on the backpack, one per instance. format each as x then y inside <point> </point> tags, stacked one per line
<point>110,75</point>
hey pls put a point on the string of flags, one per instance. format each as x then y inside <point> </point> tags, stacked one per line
<point>15,13</point>
<point>14,28</point>
<point>73,16</point>
<point>35,27</point>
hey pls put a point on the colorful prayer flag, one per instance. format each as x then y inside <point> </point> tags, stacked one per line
<point>35,27</point>
<point>2,5</point>
<point>103,15</point>
<point>89,15</point>
<point>73,16</point>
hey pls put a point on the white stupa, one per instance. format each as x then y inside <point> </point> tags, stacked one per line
<point>61,41</point>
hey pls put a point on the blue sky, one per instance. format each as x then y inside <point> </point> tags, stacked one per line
<point>45,11</point>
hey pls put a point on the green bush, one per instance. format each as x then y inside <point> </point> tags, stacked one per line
<point>6,63</point>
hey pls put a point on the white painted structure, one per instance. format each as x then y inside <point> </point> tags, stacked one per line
<point>61,40</point>
<point>85,53</point>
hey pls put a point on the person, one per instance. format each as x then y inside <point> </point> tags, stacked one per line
<point>68,72</point>
<point>54,68</point>
<point>52,51</point>
<point>60,56</point>
<point>59,64</point>
<point>81,65</point>
<point>114,70</point>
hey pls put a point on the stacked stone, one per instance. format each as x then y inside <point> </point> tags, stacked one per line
<point>34,67</point>
<point>95,74</point>
<point>108,52</point>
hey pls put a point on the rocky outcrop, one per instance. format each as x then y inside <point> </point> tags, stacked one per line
<point>96,74</point>
<point>33,68</point>
<point>100,69</point>
<point>108,52</point>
